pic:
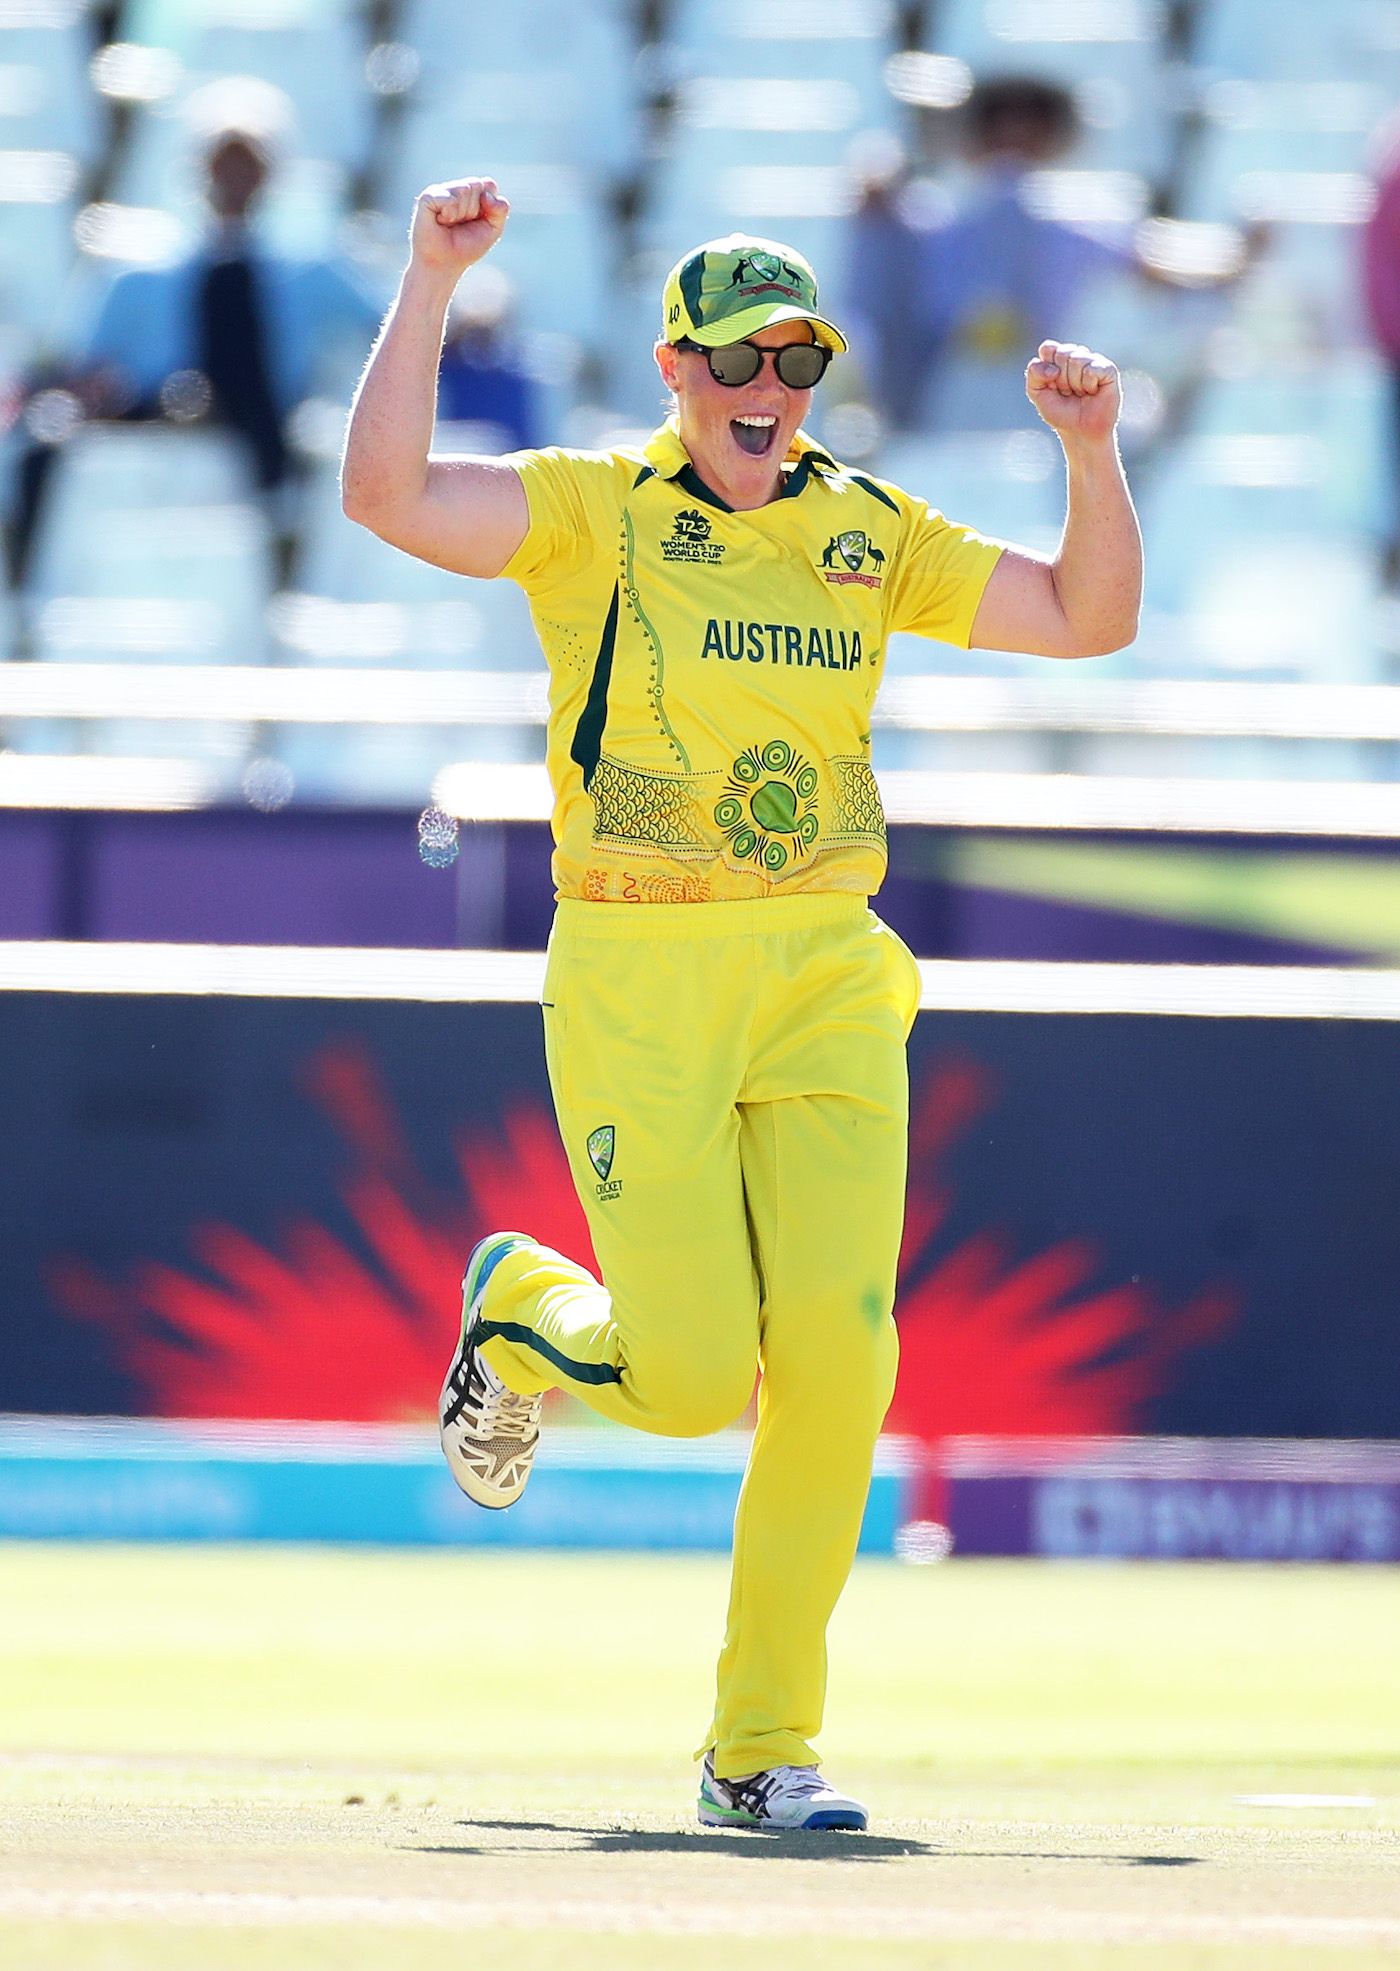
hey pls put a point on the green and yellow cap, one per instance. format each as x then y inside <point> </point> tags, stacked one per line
<point>731,288</point>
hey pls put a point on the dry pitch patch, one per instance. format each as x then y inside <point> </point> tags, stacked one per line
<point>121,1865</point>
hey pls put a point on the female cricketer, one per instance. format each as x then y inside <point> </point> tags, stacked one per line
<point>725,1017</point>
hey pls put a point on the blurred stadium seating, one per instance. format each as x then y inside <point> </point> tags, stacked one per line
<point>623,131</point>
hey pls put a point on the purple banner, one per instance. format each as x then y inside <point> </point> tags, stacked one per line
<point>1175,1519</point>
<point>312,876</point>
<point>1176,1499</point>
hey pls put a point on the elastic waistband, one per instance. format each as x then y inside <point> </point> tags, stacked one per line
<point>747,917</point>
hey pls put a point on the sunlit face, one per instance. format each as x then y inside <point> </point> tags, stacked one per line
<point>737,439</point>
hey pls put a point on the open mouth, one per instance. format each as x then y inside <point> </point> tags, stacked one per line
<point>754,435</point>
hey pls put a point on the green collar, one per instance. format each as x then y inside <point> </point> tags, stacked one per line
<point>669,459</point>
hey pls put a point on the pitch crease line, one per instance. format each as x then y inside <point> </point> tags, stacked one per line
<point>252,1909</point>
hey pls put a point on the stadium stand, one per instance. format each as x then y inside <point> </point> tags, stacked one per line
<point>313,50</point>
<point>150,542</point>
<point>46,100</point>
<point>425,616</point>
<point>623,132</point>
<point>1111,52</point>
<point>766,100</point>
<point>1011,481</point>
<point>36,244</point>
<point>1349,38</point>
<point>556,83</point>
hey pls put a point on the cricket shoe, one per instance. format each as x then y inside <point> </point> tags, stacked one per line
<point>782,1797</point>
<point>488,1433</point>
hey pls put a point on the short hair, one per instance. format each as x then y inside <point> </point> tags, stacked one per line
<point>1027,98</point>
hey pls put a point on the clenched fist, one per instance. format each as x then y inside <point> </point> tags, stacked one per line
<point>1076,391</point>
<point>456,223</point>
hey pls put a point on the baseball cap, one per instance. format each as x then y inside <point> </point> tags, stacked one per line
<point>731,288</point>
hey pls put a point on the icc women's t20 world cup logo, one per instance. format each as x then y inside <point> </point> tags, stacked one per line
<point>768,811</point>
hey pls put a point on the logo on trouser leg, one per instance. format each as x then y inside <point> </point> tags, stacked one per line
<point>601,1145</point>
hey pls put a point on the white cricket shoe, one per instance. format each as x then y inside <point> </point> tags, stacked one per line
<point>488,1433</point>
<point>781,1797</point>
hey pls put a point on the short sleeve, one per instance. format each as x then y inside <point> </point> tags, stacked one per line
<point>941,572</point>
<point>570,496</point>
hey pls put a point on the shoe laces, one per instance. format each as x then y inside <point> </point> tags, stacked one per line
<point>800,1781</point>
<point>791,1782</point>
<point>500,1411</point>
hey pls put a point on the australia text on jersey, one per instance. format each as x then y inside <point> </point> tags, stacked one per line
<point>782,643</point>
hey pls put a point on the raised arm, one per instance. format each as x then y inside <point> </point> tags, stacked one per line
<point>468,514</point>
<point>1085,602</point>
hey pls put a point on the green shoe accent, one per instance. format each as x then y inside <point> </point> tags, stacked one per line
<point>712,1806</point>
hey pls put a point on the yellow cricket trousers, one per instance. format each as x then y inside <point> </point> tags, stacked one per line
<point>731,1088</point>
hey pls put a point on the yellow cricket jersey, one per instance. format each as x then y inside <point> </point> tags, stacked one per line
<point>712,673</point>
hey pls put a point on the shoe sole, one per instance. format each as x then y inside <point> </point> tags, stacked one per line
<point>493,1248</point>
<point>832,1820</point>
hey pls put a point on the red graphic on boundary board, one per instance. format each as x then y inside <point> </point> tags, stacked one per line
<point>317,1328</point>
<point>992,1345</point>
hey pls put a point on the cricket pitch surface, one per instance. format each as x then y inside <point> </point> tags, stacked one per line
<point>295,1758</point>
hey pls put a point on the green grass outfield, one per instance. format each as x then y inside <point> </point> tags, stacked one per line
<point>272,1757</point>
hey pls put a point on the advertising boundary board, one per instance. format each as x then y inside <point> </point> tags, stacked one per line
<point>233,1204</point>
<point>114,1479</point>
<point>1135,880</point>
<point>1163,1499</point>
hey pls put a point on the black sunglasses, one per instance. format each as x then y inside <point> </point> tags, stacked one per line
<point>800,365</point>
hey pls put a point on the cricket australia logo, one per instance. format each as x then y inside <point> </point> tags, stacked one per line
<point>768,811</point>
<point>855,549</point>
<point>690,539</point>
<point>762,273</point>
<point>600,1146</point>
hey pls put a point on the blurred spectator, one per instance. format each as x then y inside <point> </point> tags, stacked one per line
<point>951,290</point>
<point>482,380</point>
<point>1381,281</point>
<point>228,334</point>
